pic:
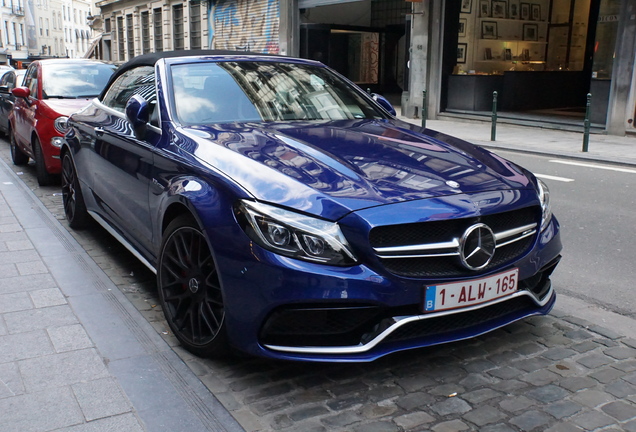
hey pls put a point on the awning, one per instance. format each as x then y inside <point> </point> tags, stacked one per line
<point>91,48</point>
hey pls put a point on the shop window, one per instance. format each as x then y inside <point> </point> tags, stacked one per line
<point>500,35</point>
<point>566,45</point>
<point>606,31</point>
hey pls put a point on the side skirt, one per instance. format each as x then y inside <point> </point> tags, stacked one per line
<point>122,240</point>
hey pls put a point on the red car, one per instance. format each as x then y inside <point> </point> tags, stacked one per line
<point>52,90</point>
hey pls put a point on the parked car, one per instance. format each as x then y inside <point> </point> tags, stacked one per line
<point>51,91</point>
<point>288,214</point>
<point>10,79</point>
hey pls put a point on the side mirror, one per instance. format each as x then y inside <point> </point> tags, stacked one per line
<point>138,114</point>
<point>384,103</point>
<point>21,92</point>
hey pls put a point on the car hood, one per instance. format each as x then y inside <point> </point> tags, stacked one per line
<point>350,165</point>
<point>66,107</point>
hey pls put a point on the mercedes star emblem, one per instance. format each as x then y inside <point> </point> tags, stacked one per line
<point>477,247</point>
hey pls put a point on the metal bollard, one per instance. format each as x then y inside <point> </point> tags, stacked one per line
<point>424,109</point>
<point>586,123</point>
<point>493,128</point>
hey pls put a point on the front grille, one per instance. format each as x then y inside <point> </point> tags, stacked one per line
<point>423,233</point>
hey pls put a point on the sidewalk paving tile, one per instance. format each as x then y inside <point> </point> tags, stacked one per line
<point>39,319</point>
<point>24,345</point>
<point>125,422</point>
<point>41,411</point>
<point>69,338</point>
<point>47,297</point>
<point>63,369</point>
<point>11,284</point>
<point>101,398</point>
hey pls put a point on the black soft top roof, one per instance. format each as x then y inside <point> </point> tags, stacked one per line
<point>152,58</point>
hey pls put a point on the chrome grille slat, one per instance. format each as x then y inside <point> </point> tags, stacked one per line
<point>513,233</point>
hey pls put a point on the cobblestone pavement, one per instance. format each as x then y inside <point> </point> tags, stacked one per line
<point>554,373</point>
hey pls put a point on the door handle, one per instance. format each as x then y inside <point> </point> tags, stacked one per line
<point>99,131</point>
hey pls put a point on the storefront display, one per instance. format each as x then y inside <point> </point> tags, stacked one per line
<point>503,35</point>
<point>532,52</point>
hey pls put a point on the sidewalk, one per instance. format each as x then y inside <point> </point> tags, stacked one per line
<point>601,148</point>
<point>75,355</point>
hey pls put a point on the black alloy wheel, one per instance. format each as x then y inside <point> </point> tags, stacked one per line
<point>190,289</point>
<point>72,198</point>
<point>44,177</point>
<point>17,156</point>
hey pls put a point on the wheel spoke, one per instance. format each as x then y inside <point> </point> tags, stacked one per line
<point>181,250</point>
<point>176,273</point>
<point>175,295</point>
<point>212,314</point>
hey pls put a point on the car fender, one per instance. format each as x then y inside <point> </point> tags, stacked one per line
<point>206,201</point>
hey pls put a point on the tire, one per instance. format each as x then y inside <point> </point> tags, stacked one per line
<point>17,156</point>
<point>44,177</point>
<point>72,198</point>
<point>190,290</point>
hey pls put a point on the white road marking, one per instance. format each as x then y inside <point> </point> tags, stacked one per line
<point>549,177</point>
<point>588,165</point>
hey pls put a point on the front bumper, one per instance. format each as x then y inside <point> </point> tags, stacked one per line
<point>282,308</point>
<point>535,296</point>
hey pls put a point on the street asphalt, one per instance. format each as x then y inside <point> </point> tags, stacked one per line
<point>78,351</point>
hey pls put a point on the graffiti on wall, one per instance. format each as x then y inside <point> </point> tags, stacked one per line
<point>244,25</point>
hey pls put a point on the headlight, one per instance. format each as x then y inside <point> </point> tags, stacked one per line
<point>546,208</point>
<point>61,124</point>
<point>294,235</point>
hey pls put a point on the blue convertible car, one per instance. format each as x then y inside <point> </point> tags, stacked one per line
<point>288,214</point>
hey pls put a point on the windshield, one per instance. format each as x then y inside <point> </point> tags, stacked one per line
<point>73,80</point>
<point>222,92</point>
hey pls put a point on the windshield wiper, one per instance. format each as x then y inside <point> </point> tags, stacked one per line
<point>60,97</point>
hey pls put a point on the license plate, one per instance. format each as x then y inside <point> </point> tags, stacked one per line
<point>472,292</point>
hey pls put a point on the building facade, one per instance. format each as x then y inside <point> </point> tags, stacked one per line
<point>133,27</point>
<point>39,29</point>
<point>13,36</point>
<point>542,57</point>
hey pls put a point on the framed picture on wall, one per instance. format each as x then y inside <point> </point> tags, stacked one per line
<point>499,8</point>
<point>530,32</point>
<point>507,54</point>
<point>524,11</point>
<point>513,10</point>
<point>484,8</point>
<point>525,55</point>
<point>467,6</point>
<point>536,12</point>
<point>488,30</point>
<point>461,52</point>
<point>463,22</point>
<point>487,54</point>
